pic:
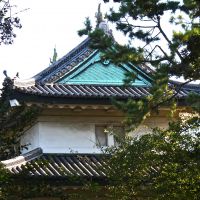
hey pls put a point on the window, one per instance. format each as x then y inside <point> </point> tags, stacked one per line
<point>101,135</point>
<point>107,135</point>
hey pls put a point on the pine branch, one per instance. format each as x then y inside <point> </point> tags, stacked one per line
<point>166,38</point>
<point>173,96</point>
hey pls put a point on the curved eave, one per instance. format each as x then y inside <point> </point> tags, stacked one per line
<point>89,94</point>
<point>84,91</point>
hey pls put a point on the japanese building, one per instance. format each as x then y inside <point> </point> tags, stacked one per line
<point>75,95</point>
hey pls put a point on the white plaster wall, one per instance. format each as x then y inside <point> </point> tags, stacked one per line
<point>73,135</point>
<point>30,138</point>
<point>66,137</point>
<point>62,137</point>
<point>146,127</point>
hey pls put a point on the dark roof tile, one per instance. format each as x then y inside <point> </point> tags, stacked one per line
<point>57,165</point>
<point>98,91</point>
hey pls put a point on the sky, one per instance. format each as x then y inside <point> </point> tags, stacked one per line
<point>45,24</point>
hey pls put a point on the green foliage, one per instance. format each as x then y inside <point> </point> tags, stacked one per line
<point>183,59</point>
<point>194,101</point>
<point>7,23</point>
<point>13,120</point>
<point>5,180</point>
<point>87,29</point>
<point>162,165</point>
<point>136,111</point>
<point>20,188</point>
<point>192,7</point>
<point>161,95</point>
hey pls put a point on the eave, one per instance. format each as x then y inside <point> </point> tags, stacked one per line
<point>71,169</point>
<point>89,94</point>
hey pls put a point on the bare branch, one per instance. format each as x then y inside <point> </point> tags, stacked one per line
<point>137,26</point>
<point>152,38</point>
<point>157,46</point>
<point>166,38</point>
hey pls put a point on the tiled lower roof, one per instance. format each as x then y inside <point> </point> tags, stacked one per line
<point>94,91</point>
<point>58,165</point>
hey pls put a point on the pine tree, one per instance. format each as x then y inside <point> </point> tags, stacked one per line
<point>164,35</point>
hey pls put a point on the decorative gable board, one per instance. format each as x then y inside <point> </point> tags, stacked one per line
<point>95,71</point>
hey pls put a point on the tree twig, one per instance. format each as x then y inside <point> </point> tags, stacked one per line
<point>166,38</point>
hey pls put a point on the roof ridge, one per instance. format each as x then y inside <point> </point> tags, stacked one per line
<point>65,58</point>
<point>24,82</point>
<point>22,159</point>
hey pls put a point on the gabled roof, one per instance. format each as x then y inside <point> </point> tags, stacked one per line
<point>83,65</point>
<point>81,73</point>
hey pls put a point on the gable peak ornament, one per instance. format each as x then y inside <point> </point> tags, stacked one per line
<point>101,23</point>
<point>99,15</point>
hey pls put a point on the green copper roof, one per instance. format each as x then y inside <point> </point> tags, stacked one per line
<point>94,71</point>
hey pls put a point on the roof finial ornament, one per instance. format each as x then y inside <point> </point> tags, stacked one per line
<point>101,23</point>
<point>99,15</point>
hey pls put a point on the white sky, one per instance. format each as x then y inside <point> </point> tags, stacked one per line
<point>47,23</point>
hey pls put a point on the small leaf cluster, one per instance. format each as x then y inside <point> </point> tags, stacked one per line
<point>7,23</point>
